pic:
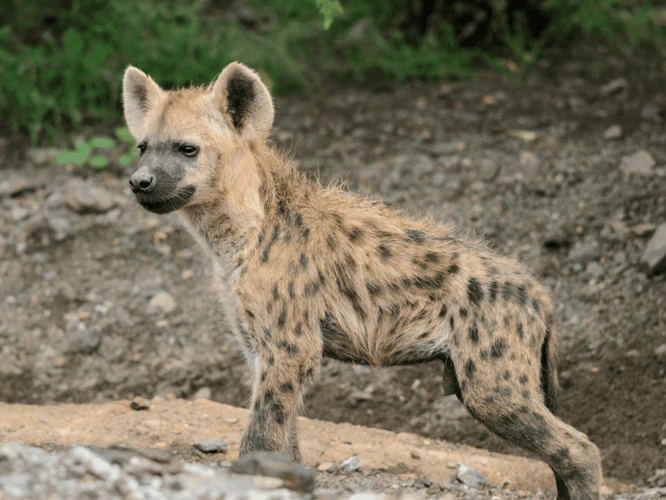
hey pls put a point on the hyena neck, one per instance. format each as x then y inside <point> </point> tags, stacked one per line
<point>249,191</point>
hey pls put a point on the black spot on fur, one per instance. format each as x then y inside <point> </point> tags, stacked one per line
<point>429,282</point>
<point>263,376</point>
<point>560,457</point>
<point>355,234</point>
<point>470,368</point>
<point>278,413</point>
<point>431,257</point>
<point>298,330</point>
<point>499,347</point>
<point>304,261</point>
<point>474,291</point>
<point>373,288</point>
<point>451,321</point>
<point>523,380</point>
<point>312,288</point>
<point>473,333</point>
<point>492,291</point>
<point>453,269</point>
<point>443,311</point>
<point>269,396</point>
<point>521,295</point>
<point>276,293</point>
<point>260,238</point>
<point>508,291</point>
<point>463,313</point>
<point>249,314</point>
<point>536,305</point>
<point>506,375</point>
<point>415,235</point>
<point>287,387</point>
<point>395,310</point>
<point>383,251</point>
<point>267,333</point>
<point>290,288</point>
<point>292,349</point>
<point>271,360</point>
<point>282,318</point>
<point>519,329</point>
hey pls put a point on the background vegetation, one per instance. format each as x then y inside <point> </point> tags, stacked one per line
<point>61,60</point>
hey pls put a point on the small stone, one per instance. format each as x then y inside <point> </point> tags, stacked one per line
<point>524,135</point>
<point>661,351</point>
<point>85,197</point>
<point>327,467</point>
<point>163,301</point>
<point>186,274</point>
<point>84,339</point>
<point>452,465</point>
<point>211,446</point>
<point>470,477</point>
<point>416,455</point>
<point>639,163</point>
<point>529,160</point>
<point>18,186</point>
<point>139,404</point>
<point>655,252</point>
<point>350,465</point>
<point>594,270</point>
<point>613,133</point>
<point>614,87</point>
<point>644,230</point>
<point>274,464</point>
<point>203,393</point>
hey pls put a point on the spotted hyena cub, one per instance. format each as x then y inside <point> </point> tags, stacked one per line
<point>304,271</point>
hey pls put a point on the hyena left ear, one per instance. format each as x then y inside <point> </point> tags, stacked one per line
<point>140,95</point>
<point>241,95</point>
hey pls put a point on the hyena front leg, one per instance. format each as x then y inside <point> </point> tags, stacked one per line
<point>282,369</point>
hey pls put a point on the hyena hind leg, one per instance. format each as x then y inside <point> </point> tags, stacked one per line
<point>508,400</point>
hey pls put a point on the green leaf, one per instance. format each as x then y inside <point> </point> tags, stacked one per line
<point>66,157</point>
<point>123,134</point>
<point>98,162</point>
<point>97,55</point>
<point>73,43</point>
<point>82,153</point>
<point>125,160</point>
<point>102,142</point>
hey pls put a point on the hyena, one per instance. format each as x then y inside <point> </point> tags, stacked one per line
<point>305,271</point>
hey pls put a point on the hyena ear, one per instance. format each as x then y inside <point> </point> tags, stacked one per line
<point>240,94</point>
<point>140,94</point>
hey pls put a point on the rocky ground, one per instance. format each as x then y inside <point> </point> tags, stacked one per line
<point>566,170</point>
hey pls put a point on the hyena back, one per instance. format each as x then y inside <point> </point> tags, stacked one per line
<point>304,272</point>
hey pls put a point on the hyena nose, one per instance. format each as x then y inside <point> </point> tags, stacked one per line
<point>142,182</point>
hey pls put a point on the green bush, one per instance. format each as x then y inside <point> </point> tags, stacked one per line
<point>61,61</point>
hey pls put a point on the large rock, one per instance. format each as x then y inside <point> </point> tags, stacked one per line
<point>273,464</point>
<point>655,252</point>
<point>85,197</point>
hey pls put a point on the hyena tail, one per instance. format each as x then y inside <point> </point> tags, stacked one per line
<point>549,357</point>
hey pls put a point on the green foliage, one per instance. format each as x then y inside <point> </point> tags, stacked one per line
<point>61,61</point>
<point>102,146</point>
<point>328,9</point>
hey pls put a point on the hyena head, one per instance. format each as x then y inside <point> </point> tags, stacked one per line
<point>193,143</point>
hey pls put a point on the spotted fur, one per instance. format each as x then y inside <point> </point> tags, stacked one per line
<point>305,271</point>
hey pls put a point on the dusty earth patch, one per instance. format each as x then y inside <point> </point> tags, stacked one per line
<point>525,163</point>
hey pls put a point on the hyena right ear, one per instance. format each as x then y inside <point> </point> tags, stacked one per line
<point>140,94</point>
<point>243,98</point>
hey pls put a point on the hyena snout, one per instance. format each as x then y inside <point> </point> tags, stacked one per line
<point>158,191</point>
<point>142,181</point>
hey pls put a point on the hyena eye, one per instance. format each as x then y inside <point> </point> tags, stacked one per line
<point>141,147</point>
<point>188,150</point>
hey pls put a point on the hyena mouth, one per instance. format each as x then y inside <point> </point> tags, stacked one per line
<point>165,205</point>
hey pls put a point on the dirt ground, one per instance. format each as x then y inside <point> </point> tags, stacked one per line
<point>523,162</point>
